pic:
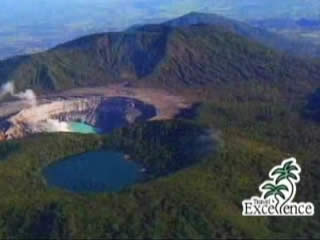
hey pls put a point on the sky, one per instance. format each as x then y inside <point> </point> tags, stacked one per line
<point>122,12</point>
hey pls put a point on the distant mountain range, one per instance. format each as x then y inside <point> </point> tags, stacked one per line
<point>303,23</point>
<point>299,30</point>
<point>263,9</point>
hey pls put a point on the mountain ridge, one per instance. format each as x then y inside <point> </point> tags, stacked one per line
<point>183,56</point>
<point>262,35</point>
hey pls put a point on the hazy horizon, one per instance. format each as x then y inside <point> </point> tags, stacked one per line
<point>30,26</point>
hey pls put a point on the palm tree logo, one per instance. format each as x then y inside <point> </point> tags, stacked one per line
<point>282,186</point>
<point>276,191</point>
<point>288,174</point>
<point>278,194</point>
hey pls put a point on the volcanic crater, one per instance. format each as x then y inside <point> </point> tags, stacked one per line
<point>104,109</point>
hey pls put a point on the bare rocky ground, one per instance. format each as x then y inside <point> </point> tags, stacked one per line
<point>19,119</point>
<point>167,104</point>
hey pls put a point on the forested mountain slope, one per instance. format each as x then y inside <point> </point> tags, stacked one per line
<point>193,55</point>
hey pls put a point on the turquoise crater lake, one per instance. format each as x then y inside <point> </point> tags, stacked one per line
<point>100,171</point>
<point>83,128</point>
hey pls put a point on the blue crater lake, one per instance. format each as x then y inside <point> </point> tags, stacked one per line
<point>101,171</point>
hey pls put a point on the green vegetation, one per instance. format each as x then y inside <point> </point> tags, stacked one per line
<point>295,46</point>
<point>254,100</point>
<point>203,201</point>
<point>159,55</point>
<point>8,148</point>
<point>178,145</point>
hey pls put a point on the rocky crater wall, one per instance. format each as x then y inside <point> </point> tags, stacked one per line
<point>104,113</point>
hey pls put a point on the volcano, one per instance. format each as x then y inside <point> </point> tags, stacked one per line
<point>99,110</point>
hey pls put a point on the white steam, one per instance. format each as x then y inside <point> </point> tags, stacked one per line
<point>28,95</point>
<point>7,88</point>
<point>52,125</point>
